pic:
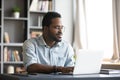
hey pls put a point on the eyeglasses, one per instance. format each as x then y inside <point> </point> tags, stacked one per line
<point>62,28</point>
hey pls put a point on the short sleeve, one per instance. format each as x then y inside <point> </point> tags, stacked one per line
<point>29,55</point>
<point>70,58</point>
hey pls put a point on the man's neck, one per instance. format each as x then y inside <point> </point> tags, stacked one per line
<point>48,41</point>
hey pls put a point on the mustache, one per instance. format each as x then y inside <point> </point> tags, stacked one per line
<point>59,33</point>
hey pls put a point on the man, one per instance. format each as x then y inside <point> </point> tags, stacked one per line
<point>49,53</point>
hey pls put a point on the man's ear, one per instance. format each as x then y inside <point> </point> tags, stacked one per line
<point>45,28</point>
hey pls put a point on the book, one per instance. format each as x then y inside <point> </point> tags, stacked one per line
<point>6,37</point>
<point>50,5</point>
<point>16,55</point>
<point>8,55</point>
<point>39,5</point>
<point>5,53</point>
<point>109,71</point>
<point>12,56</point>
<point>45,4</point>
<point>34,5</point>
<point>35,34</point>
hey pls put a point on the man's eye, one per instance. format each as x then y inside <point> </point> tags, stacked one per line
<point>57,27</point>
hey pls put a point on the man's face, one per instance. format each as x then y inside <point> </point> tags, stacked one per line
<point>55,30</point>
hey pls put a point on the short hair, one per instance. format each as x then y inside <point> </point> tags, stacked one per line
<point>48,18</point>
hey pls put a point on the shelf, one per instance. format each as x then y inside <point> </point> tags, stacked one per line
<point>13,44</point>
<point>35,27</point>
<point>38,12</point>
<point>18,29</point>
<point>12,18</point>
<point>13,62</point>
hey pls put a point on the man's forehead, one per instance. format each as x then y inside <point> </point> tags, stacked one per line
<point>56,19</point>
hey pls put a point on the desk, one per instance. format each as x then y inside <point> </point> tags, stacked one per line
<point>60,77</point>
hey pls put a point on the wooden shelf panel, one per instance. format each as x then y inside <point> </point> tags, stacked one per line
<point>13,62</point>
<point>12,18</point>
<point>13,44</point>
<point>35,27</point>
<point>38,12</point>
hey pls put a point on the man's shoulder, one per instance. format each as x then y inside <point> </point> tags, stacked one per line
<point>32,40</point>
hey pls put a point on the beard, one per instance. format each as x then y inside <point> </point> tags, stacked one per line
<point>54,38</point>
<point>57,37</point>
<point>57,40</point>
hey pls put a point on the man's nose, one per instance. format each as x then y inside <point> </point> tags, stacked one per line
<point>61,29</point>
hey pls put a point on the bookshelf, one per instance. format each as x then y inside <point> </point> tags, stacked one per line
<point>14,31</point>
<point>36,16</point>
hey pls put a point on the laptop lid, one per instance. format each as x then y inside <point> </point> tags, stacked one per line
<point>88,62</point>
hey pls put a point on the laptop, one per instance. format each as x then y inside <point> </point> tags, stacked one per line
<point>88,62</point>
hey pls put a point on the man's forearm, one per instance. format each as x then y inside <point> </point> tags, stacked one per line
<point>39,68</point>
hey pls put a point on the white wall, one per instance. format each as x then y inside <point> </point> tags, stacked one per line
<point>64,7</point>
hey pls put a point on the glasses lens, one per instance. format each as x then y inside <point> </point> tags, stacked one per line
<point>63,29</point>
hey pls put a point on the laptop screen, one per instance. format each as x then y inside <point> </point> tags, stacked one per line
<point>88,62</point>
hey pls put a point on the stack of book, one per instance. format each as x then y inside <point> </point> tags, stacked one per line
<point>109,71</point>
<point>41,5</point>
<point>11,55</point>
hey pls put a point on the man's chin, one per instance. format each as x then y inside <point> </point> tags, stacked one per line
<point>58,40</point>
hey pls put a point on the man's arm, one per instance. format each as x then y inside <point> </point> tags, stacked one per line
<point>39,68</point>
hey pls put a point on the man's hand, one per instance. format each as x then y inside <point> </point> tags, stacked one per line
<point>67,69</point>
